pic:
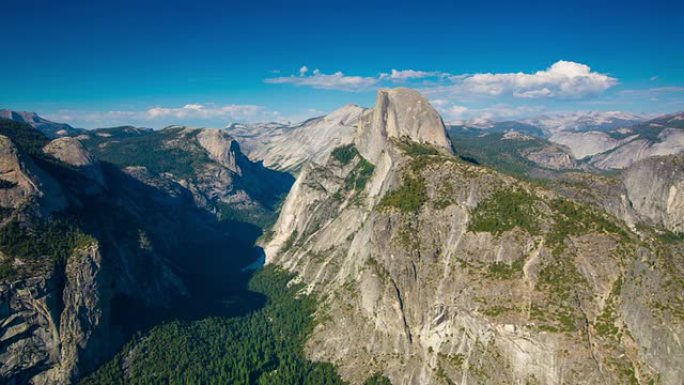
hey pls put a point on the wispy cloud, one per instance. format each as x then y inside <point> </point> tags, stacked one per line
<point>319,80</point>
<point>199,111</point>
<point>191,114</point>
<point>653,91</point>
<point>402,75</point>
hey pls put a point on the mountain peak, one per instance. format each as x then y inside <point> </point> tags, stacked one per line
<point>400,113</point>
<point>47,127</point>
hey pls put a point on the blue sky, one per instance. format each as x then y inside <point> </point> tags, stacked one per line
<point>153,63</point>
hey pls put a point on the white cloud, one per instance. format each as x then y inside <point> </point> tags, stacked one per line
<point>319,80</point>
<point>407,75</point>
<point>563,79</point>
<point>193,114</point>
<point>653,91</point>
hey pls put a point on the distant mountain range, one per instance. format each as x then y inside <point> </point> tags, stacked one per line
<point>595,139</point>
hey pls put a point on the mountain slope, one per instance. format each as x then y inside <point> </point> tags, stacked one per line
<point>433,270</point>
<point>285,147</point>
<point>585,121</point>
<point>513,153</point>
<point>619,148</point>
<point>47,127</point>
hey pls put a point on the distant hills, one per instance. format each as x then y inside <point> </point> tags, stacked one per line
<point>601,140</point>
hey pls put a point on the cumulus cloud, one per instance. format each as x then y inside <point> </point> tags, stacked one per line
<point>563,79</point>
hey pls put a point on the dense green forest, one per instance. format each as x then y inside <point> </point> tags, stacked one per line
<point>263,347</point>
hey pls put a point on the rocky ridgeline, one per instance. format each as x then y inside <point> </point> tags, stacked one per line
<point>434,270</point>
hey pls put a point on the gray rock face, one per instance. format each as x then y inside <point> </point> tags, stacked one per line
<point>50,330</point>
<point>220,146</point>
<point>27,184</point>
<point>655,188</point>
<point>620,148</point>
<point>584,144</point>
<point>407,287</point>
<point>400,113</point>
<point>289,147</point>
<point>70,151</point>
<point>29,337</point>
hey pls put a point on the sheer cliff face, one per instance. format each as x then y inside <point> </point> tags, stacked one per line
<point>55,317</point>
<point>399,113</point>
<point>655,188</point>
<point>432,270</point>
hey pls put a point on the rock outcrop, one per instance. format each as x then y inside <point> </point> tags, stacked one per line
<point>70,151</point>
<point>433,270</point>
<point>655,188</point>
<point>400,113</point>
<point>24,183</point>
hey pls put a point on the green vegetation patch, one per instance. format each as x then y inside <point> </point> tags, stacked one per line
<point>571,219</point>
<point>358,177</point>
<point>503,270</point>
<point>409,197</point>
<point>262,347</point>
<point>377,379</point>
<point>559,281</point>
<point>24,136</point>
<point>344,154</point>
<point>415,149</point>
<point>504,211</point>
<point>6,270</point>
<point>55,239</point>
<point>606,321</point>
